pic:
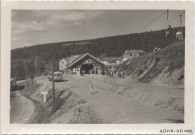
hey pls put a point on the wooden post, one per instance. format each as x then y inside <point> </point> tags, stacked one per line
<point>35,67</point>
<point>53,84</point>
<point>96,74</point>
<point>44,93</point>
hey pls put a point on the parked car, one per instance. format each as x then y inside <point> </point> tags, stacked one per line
<point>57,76</point>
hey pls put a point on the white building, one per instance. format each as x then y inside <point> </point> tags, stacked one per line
<point>118,62</point>
<point>130,54</point>
<point>156,49</point>
<point>105,62</point>
<point>63,64</point>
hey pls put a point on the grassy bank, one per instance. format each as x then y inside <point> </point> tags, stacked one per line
<point>163,66</point>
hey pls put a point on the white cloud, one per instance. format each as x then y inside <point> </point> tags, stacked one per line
<point>28,27</point>
<point>72,17</point>
<point>53,19</point>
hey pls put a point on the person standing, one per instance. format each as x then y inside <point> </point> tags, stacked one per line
<point>118,74</point>
<point>91,87</point>
<point>169,31</point>
<point>123,74</point>
<point>179,35</point>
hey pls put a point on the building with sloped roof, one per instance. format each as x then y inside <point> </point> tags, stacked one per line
<point>65,62</point>
<point>86,64</point>
<point>130,54</point>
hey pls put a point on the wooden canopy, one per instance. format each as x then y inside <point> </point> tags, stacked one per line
<point>81,59</point>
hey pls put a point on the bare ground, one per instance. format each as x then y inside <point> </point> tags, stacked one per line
<point>114,100</point>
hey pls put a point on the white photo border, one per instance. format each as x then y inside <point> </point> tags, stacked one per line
<point>8,128</point>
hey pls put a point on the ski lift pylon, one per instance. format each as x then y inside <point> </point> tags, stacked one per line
<point>169,29</point>
<point>181,21</point>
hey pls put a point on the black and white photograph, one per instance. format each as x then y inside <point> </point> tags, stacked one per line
<point>99,66</point>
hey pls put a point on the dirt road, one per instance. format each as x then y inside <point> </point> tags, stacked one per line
<point>21,108</point>
<point>114,101</point>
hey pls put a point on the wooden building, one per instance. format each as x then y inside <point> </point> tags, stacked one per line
<point>86,64</point>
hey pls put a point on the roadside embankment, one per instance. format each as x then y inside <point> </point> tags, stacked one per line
<point>68,107</point>
<point>147,94</point>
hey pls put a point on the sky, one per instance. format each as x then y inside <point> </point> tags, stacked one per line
<point>32,27</point>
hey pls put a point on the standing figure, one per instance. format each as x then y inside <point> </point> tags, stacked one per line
<point>169,31</point>
<point>179,35</point>
<point>91,87</point>
<point>123,74</point>
<point>119,75</point>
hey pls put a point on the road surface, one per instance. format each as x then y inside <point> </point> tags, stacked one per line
<point>114,103</point>
<point>21,108</point>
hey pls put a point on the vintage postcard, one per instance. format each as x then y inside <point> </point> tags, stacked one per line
<point>97,67</point>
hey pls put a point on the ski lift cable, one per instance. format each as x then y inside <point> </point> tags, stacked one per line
<point>152,21</point>
<point>171,20</point>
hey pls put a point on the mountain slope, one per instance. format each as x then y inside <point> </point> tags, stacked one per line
<point>163,66</point>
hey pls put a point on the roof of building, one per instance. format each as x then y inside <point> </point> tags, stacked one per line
<point>134,51</point>
<point>82,57</point>
<point>77,58</point>
<point>70,59</point>
<point>57,72</point>
<point>63,59</point>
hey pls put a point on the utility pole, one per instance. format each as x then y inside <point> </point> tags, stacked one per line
<point>25,74</point>
<point>53,84</point>
<point>35,67</point>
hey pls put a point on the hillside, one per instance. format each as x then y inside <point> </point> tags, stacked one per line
<point>107,46</point>
<point>163,66</point>
<point>111,46</point>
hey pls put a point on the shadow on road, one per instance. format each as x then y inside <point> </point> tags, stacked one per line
<point>18,87</point>
<point>175,121</point>
<point>62,81</point>
<point>95,92</point>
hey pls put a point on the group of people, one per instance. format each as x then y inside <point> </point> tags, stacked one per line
<point>179,33</point>
<point>113,71</point>
<point>121,74</point>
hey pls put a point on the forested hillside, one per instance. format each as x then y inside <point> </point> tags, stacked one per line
<point>107,46</point>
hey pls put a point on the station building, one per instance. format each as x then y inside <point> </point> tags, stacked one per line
<point>86,64</point>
